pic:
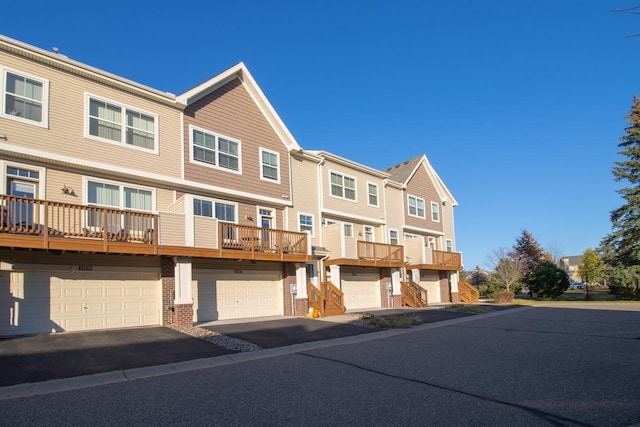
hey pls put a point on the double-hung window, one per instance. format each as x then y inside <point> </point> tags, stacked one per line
<point>416,206</point>
<point>393,237</point>
<point>113,122</point>
<point>435,212</point>
<point>270,170</point>
<point>343,186</point>
<point>306,223</point>
<point>373,194</point>
<point>214,150</point>
<point>24,98</point>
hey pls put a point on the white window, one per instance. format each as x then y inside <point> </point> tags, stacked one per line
<point>408,236</point>
<point>393,237</point>
<point>212,209</point>
<point>348,230</point>
<point>112,122</point>
<point>431,242</point>
<point>117,196</point>
<point>25,98</point>
<point>368,233</point>
<point>270,162</point>
<point>449,244</point>
<point>435,211</point>
<point>214,150</point>
<point>373,194</point>
<point>305,223</point>
<point>416,206</point>
<point>343,186</point>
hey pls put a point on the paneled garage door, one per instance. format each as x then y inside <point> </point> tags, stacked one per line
<point>238,296</point>
<point>431,282</point>
<point>361,291</point>
<point>43,302</point>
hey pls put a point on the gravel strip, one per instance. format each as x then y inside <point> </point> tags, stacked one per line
<point>220,340</point>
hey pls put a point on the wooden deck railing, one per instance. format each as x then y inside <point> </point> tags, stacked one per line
<point>413,295</point>
<point>315,298</point>
<point>25,216</point>
<point>448,259</point>
<point>380,251</point>
<point>257,239</point>
<point>468,293</point>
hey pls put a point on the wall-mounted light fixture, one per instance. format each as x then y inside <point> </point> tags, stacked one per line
<point>4,136</point>
<point>248,217</point>
<point>67,190</point>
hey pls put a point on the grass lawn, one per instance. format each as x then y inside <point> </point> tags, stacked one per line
<point>577,295</point>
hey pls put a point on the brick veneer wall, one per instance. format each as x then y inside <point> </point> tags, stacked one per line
<point>455,298</point>
<point>397,300</point>
<point>178,314</point>
<point>288,278</point>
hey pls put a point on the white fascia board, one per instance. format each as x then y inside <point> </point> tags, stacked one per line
<point>351,164</point>
<point>171,181</point>
<point>442,189</point>
<point>241,72</point>
<point>352,217</point>
<point>422,230</point>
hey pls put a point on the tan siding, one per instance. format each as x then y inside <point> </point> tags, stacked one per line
<point>231,112</point>
<point>206,232</point>
<point>305,195</point>
<point>171,229</point>
<point>393,215</point>
<point>67,115</point>
<point>361,206</point>
<point>164,199</point>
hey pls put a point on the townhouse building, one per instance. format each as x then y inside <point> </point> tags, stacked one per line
<point>124,206</point>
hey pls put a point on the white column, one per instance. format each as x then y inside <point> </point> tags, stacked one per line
<point>183,281</point>
<point>395,281</point>
<point>453,278</point>
<point>301,281</point>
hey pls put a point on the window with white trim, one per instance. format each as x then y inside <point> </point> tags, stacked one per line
<point>393,237</point>
<point>270,162</point>
<point>435,211</point>
<point>343,186</point>
<point>416,206</point>
<point>408,236</point>
<point>214,150</point>
<point>431,242</point>
<point>117,196</point>
<point>212,209</point>
<point>372,190</point>
<point>368,233</point>
<point>25,98</point>
<point>112,122</point>
<point>305,222</point>
<point>449,245</point>
<point>348,230</point>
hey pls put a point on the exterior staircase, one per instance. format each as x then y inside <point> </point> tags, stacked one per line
<point>413,295</point>
<point>468,293</point>
<point>327,300</point>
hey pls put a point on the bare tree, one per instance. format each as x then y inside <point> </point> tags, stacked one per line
<point>631,11</point>
<point>507,270</point>
<point>554,251</point>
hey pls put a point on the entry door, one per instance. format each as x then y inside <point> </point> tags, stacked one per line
<point>21,212</point>
<point>266,221</point>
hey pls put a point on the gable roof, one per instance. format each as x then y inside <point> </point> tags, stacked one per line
<point>403,172</point>
<point>240,72</point>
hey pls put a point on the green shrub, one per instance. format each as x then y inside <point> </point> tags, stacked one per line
<point>548,281</point>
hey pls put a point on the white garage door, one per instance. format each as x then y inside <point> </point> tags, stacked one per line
<point>431,282</point>
<point>238,296</point>
<point>361,291</point>
<point>43,302</point>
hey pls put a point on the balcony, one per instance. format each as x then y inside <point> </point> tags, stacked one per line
<point>370,254</point>
<point>422,257</point>
<point>40,224</point>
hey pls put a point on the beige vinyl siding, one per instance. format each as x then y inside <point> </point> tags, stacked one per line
<point>361,206</point>
<point>206,232</point>
<point>421,186</point>
<point>67,109</point>
<point>171,230</point>
<point>231,112</point>
<point>393,211</point>
<point>164,199</point>
<point>305,195</point>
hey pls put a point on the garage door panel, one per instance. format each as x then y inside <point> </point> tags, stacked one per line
<point>361,291</point>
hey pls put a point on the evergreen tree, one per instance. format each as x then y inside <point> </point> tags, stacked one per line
<point>528,253</point>
<point>621,248</point>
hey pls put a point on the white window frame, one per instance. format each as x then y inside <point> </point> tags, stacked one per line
<point>300,229</point>
<point>262,166</point>
<point>44,122</point>
<point>214,202</point>
<point>432,243</point>
<point>435,211</point>
<point>347,226</point>
<point>121,186</point>
<point>217,137</point>
<point>449,245</point>
<point>408,236</point>
<point>396,238</point>
<point>371,185</point>
<point>369,231</point>
<point>342,187</point>
<point>417,208</point>
<point>124,108</point>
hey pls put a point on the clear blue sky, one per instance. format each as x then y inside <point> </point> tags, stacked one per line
<point>518,104</point>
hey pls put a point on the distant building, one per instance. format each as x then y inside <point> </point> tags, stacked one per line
<point>570,265</point>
